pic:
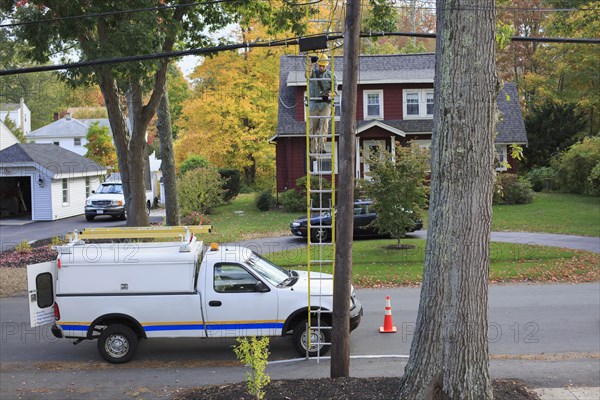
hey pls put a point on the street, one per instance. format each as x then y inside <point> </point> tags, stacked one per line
<point>545,335</point>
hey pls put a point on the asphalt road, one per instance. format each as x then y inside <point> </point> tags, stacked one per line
<point>546,335</point>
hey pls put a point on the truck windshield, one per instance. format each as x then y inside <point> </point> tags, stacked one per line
<point>110,189</point>
<point>274,274</point>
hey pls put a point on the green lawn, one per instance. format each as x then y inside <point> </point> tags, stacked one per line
<point>549,213</point>
<point>242,220</point>
<point>373,265</point>
<point>570,214</point>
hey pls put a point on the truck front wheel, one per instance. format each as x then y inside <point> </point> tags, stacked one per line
<point>117,344</point>
<point>320,339</point>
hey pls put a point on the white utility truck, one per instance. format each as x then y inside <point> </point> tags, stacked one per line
<point>120,293</point>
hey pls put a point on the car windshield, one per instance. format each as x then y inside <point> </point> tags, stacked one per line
<point>274,274</point>
<point>110,189</point>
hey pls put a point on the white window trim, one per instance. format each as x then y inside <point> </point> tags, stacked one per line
<point>77,142</point>
<point>315,163</point>
<point>65,190</point>
<point>502,154</point>
<point>422,103</point>
<point>366,94</point>
<point>423,143</point>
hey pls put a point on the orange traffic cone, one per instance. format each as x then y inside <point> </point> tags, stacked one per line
<point>388,325</point>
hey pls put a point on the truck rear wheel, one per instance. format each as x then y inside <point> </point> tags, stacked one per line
<point>117,344</point>
<point>317,339</point>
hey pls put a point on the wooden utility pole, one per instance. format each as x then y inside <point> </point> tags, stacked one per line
<point>340,346</point>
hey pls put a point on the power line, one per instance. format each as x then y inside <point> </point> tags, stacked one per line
<point>281,42</point>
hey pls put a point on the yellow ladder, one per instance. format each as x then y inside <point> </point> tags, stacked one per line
<point>320,200</point>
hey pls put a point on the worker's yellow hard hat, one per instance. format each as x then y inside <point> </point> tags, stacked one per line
<point>323,60</point>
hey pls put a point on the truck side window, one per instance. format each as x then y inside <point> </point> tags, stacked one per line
<point>44,287</point>
<point>232,278</point>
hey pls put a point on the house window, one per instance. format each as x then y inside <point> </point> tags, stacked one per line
<point>501,158</point>
<point>87,187</point>
<point>323,165</point>
<point>77,141</point>
<point>65,192</point>
<point>373,104</point>
<point>56,143</point>
<point>423,143</point>
<point>418,103</point>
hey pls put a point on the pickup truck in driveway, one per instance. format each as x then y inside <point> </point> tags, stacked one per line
<point>120,293</point>
<point>108,199</point>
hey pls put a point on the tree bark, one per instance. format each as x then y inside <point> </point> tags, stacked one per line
<point>167,166</point>
<point>340,346</point>
<point>449,352</point>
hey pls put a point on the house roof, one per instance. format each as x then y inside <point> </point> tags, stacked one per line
<point>67,128</point>
<point>510,127</point>
<point>54,159</point>
<point>9,106</point>
<point>388,69</point>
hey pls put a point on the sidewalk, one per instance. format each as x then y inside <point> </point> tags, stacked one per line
<point>571,393</point>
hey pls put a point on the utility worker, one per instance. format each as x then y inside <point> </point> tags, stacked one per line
<point>321,98</point>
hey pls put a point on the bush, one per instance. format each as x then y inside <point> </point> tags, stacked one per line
<point>576,165</point>
<point>292,201</point>
<point>232,184</point>
<point>195,218</point>
<point>23,247</point>
<point>201,190</point>
<point>191,163</point>
<point>542,179</point>
<point>264,201</point>
<point>512,189</point>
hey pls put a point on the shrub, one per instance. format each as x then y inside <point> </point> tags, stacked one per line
<point>191,163</point>
<point>195,218</point>
<point>292,201</point>
<point>512,189</point>
<point>232,185</point>
<point>265,200</point>
<point>542,179</point>
<point>255,353</point>
<point>23,247</point>
<point>574,167</point>
<point>201,190</point>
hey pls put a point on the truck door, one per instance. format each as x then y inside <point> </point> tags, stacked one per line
<point>41,285</point>
<point>238,303</point>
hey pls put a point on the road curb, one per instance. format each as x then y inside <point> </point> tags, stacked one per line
<point>569,393</point>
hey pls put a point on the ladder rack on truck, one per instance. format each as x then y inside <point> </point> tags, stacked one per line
<point>148,232</point>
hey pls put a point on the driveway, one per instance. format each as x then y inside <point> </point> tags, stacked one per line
<point>15,231</point>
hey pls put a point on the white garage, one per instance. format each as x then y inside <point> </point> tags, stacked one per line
<point>45,181</point>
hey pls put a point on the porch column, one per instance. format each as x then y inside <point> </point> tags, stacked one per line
<point>393,142</point>
<point>357,163</point>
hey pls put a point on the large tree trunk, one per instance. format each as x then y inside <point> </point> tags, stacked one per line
<point>167,166</point>
<point>449,352</point>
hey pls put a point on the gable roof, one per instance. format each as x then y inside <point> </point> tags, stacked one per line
<point>67,128</point>
<point>54,159</point>
<point>510,127</point>
<point>388,69</point>
<point>372,69</point>
<point>7,138</point>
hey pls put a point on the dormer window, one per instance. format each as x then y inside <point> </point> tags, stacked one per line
<point>418,103</point>
<point>373,104</point>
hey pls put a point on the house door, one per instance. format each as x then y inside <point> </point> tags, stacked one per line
<point>372,148</point>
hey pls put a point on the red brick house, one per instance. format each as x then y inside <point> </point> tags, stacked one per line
<point>395,104</point>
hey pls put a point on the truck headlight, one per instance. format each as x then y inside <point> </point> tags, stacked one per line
<point>295,224</point>
<point>88,202</point>
<point>116,203</point>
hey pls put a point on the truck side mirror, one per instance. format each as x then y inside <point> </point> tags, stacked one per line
<point>260,287</point>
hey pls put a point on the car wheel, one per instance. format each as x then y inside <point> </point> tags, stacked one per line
<point>123,216</point>
<point>117,344</point>
<point>320,339</point>
<point>89,218</point>
<point>320,235</point>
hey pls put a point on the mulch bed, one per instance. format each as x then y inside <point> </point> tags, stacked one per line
<point>338,389</point>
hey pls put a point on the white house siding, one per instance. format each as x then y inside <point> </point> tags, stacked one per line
<point>76,203</point>
<point>41,202</point>
<point>68,144</point>
<point>7,139</point>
